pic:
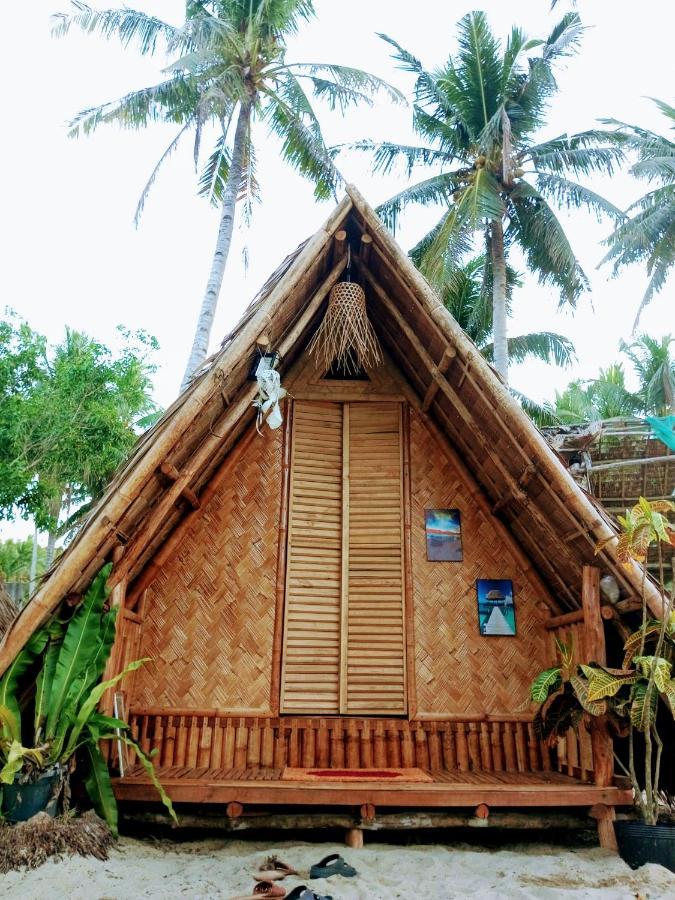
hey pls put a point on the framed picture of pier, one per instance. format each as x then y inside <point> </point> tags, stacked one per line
<point>444,535</point>
<point>496,610</point>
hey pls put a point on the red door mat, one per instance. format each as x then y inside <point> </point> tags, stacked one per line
<point>382,775</point>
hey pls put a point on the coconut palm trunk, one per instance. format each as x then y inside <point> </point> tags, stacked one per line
<point>499,336</point>
<point>52,534</point>
<point>207,312</point>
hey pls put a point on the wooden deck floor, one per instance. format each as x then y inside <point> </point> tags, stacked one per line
<point>263,786</point>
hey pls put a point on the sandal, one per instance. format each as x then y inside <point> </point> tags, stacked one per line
<point>264,889</point>
<point>302,892</point>
<point>332,865</point>
<point>274,869</point>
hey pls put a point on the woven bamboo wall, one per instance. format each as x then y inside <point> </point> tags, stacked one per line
<point>209,615</point>
<point>457,670</point>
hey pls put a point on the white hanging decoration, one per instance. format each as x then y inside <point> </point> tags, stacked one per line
<point>270,392</point>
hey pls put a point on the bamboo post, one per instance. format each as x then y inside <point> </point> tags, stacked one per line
<point>603,757</point>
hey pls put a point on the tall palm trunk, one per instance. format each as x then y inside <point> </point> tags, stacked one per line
<point>200,343</point>
<point>54,512</point>
<point>32,578</point>
<point>501,352</point>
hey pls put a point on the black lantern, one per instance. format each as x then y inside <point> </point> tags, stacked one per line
<point>263,362</point>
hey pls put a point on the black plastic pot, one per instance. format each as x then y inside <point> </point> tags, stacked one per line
<point>640,843</point>
<point>21,802</point>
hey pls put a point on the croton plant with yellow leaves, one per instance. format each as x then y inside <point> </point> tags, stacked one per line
<point>627,697</point>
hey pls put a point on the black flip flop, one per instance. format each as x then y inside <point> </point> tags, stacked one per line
<point>304,893</point>
<point>332,865</point>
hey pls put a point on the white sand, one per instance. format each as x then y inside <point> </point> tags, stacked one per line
<point>221,869</point>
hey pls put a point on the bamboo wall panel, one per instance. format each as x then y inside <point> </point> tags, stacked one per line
<point>375,678</point>
<point>209,740</point>
<point>311,659</point>
<point>209,615</point>
<point>457,670</point>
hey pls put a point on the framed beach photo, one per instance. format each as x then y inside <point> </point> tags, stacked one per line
<point>444,535</point>
<point>496,610</point>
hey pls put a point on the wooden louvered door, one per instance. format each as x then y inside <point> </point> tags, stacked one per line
<point>310,679</point>
<point>344,637</point>
<point>373,650</point>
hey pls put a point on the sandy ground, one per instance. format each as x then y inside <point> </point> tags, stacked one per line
<point>221,869</point>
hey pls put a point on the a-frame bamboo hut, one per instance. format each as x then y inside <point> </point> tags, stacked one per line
<point>280,582</point>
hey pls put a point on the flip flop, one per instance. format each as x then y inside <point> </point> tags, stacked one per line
<point>332,865</point>
<point>264,889</point>
<point>302,892</point>
<point>274,869</point>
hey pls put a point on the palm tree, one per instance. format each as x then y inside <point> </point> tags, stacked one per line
<point>466,295</point>
<point>604,397</point>
<point>655,367</point>
<point>230,70</point>
<point>649,234</point>
<point>478,115</point>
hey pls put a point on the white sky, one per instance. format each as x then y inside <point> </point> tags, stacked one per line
<point>70,253</point>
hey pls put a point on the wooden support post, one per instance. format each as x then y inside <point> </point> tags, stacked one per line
<point>234,809</point>
<point>601,742</point>
<point>605,816</point>
<point>366,241</point>
<point>368,813</point>
<point>354,838</point>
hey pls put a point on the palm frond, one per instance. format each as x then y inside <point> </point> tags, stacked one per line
<point>347,79</point>
<point>535,227</point>
<point>155,172</point>
<point>290,118</point>
<point>437,189</point>
<point>386,155</point>
<point>583,153</point>
<point>571,195</point>
<point>549,347</point>
<point>129,25</point>
<point>426,89</point>
<point>542,414</point>
<point>170,101</point>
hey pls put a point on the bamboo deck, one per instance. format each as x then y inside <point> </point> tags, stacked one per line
<point>263,786</point>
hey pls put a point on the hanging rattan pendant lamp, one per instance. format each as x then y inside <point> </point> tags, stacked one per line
<point>346,338</point>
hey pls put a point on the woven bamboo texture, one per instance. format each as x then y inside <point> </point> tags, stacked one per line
<point>225,742</point>
<point>210,613</point>
<point>458,670</point>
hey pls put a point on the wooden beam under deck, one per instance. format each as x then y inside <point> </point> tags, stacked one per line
<point>264,787</point>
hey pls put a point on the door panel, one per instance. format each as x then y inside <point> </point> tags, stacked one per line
<point>344,634</point>
<point>311,659</point>
<point>375,618</point>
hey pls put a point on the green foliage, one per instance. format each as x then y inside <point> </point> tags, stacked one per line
<point>647,237</point>
<point>545,683</point>
<point>67,419</point>
<point>478,116</point>
<point>15,557</point>
<point>608,397</point>
<point>71,657</point>
<point>223,55</point>
<point>467,294</point>
<point>630,695</point>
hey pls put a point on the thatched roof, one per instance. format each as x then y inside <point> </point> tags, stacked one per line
<point>449,382</point>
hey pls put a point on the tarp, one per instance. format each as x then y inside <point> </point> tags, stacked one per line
<point>664,428</point>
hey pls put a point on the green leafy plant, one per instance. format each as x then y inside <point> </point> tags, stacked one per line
<point>628,698</point>
<point>70,657</point>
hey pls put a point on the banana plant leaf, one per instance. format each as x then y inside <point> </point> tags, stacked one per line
<point>79,644</point>
<point>43,685</point>
<point>16,755</point>
<point>99,786</point>
<point>10,680</point>
<point>88,708</point>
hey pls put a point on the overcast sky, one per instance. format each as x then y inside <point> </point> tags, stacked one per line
<point>72,256</point>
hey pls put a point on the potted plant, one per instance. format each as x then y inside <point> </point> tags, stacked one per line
<point>627,697</point>
<point>39,745</point>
